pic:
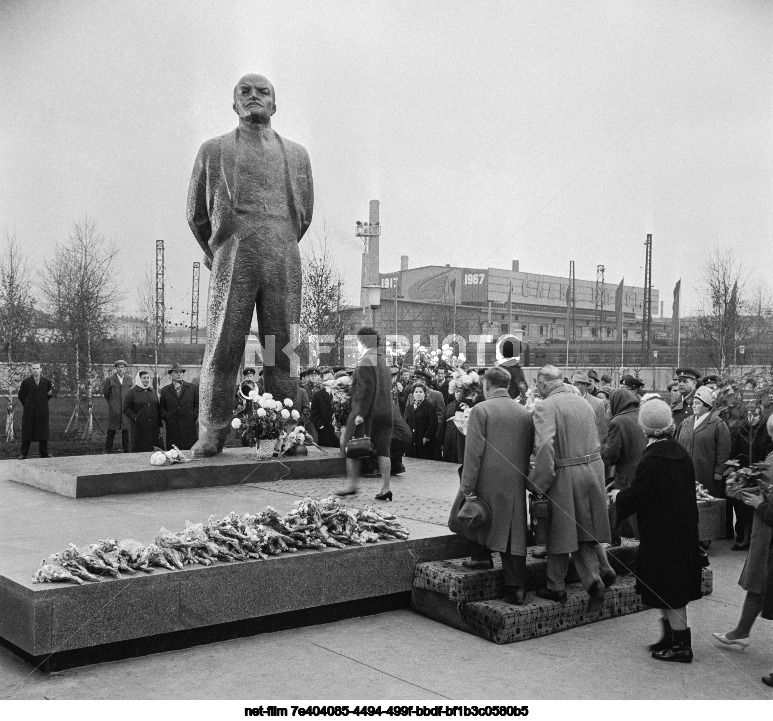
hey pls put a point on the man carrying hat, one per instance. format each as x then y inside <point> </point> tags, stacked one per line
<point>114,389</point>
<point>687,379</point>
<point>180,410</point>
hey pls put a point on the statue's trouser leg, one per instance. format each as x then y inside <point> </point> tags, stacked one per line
<point>233,287</point>
<point>278,311</point>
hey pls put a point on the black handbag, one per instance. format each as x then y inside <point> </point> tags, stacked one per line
<point>361,447</point>
<point>468,514</point>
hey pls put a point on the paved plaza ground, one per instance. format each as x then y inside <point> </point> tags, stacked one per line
<point>395,655</point>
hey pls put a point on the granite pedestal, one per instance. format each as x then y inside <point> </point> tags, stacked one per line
<point>120,473</point>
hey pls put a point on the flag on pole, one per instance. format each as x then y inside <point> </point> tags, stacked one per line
<point>568,310</point>
<point>619,309</point>
<point>510,304</point>
<point>675,311</point>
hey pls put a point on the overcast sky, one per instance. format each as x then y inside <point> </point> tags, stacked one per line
<point>489,131</point>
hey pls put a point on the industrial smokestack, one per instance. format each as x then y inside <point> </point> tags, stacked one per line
<point>403,262</point>
<point>516,265</point>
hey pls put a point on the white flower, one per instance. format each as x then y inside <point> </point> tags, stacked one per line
<point>254,395</point>
<point>295,415</point>
<point>268,396</point>
<point>158,458</point>
<point>277,405</point>
<point>236,423</point>
<point>172,454</point>
<point>462,357</point>
<point>261,412</point>
<point>285,413</point>
<point>288,403</point>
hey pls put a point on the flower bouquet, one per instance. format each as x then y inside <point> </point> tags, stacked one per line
<point>265,423</point>
<point>342,402</point>
<point>470,384</point>
<point>752,479</point>
<point>168,458</point>
<point>293,442</point>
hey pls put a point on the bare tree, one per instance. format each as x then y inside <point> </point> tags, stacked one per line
<point>81,292</point>
<point>724,321</point>
<point>17,304</point>
<point>321,294</point>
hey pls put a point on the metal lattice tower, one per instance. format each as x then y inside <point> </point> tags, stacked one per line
<point>195,304</point>
<point>646,319</point>
<point>573,283</point>
<point>160,293</point>
<point>599,315</point>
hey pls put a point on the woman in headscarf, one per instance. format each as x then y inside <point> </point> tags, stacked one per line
<point>140,405</point>
<point>422,420</point>
<point>622,449</point>
<point>751,445</point>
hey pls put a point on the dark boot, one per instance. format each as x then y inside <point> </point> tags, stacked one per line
<point>665,641</point>
<point>680,650</point>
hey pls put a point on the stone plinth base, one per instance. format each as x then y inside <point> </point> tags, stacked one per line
<point>120,473</point>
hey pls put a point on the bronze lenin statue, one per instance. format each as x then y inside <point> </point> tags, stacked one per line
<point>250,202</point>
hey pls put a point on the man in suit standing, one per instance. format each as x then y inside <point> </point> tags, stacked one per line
<point>500,437</point>
<point>179,406</point>
<point>582,383</point>
<point>114,389</point>
<point>34,394</point>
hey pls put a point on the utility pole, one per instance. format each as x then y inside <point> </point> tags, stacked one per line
<point>159,340</point>
<point>574,301</point>
<point>646,320</point>
<point>599,310</point>
<point>195,304</point>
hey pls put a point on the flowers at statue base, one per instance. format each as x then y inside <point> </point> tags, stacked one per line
<point>295,437</point>
<point>267,418</point>
<point>342,402</point>
<point>167,458</point>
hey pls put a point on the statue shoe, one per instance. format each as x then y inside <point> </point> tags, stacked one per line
<point>210,443</point>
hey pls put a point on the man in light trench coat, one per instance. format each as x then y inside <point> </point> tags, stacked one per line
<point>500,437</point>
<point>569,470</point>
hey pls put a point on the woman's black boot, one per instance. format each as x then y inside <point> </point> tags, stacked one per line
<point>680,650</point>
<point>665,641</point>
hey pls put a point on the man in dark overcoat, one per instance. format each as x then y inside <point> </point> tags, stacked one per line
<point>687,379</point>
<point>500,437</point>
<point>34,394</point>
<point>569,470</point>
<point>179,406</point>
<point>114,389</point>
<point>322,411</point>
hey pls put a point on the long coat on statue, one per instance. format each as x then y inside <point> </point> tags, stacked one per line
<point>500,437</point>
<point>141,407</point>
<point>114,390</point>
<point>565,434</point>
<point>662,496</point>
<point>180,413</point>
<point>34,399</point>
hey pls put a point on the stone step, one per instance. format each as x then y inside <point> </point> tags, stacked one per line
<point>501,622</point>
<point>458,583</point>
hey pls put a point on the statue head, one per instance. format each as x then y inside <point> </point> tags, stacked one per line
<point>254,100</point>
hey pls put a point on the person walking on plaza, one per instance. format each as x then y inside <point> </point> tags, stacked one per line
<point>500,438</point>
<point>622,449</point>
<point>754,572</point>
<point>34,394</point>
<point>569,470</point>
<point>687,383</point>
<point>422,420</point>
<point>763,505</point>
<point>179,407</point>
<point>751,444</point>
<point>706,438</point>
<point>114,389</point>
<point>322,411</point>
<point>140,405</point>
<point>371,411</point>
<point>662,496</point>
